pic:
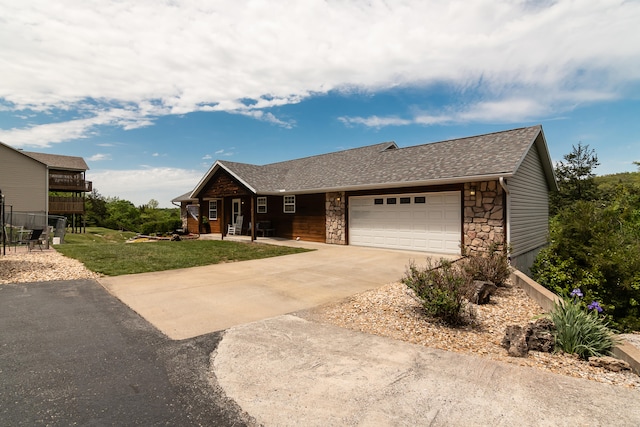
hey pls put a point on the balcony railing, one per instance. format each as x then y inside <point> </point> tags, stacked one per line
<point>66,205</point>
<point>59,183</point>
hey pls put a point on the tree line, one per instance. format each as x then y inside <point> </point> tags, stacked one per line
<point>594,237</point>
<point>119,214</point>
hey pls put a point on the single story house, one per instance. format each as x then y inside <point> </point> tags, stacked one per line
<point>452,197</point>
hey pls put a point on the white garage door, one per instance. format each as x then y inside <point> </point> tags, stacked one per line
<point>427,222</point>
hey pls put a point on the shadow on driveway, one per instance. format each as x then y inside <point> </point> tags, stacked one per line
<point>72,354</point>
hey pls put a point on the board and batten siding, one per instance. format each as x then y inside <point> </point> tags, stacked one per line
<point>23,181</point>
<point>528,201</point>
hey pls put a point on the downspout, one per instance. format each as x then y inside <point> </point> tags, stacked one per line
<point>507,215</point>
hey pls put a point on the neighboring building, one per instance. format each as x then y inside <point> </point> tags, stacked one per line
<point>468,193</point>
<point>44,183</point>
<point>189,212</point>
<point>23,181</point>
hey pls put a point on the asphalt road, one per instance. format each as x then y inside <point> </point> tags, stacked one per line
<point>72,354</point>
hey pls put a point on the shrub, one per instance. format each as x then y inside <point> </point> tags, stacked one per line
<point>562,274</point>
<point>167,226</point>
<point>443,290</point>
<point>493,268</point>
<point>581,330</point>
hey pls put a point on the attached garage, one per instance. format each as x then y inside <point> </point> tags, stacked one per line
<point>429,222</point>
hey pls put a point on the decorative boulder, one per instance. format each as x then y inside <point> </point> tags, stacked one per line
<point>537,336</point>
<point>540,335</point>
<point>514,341</point>
<point>482,291</point>
<point>609,363</point>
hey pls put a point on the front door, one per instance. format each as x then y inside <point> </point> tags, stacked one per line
<point>236,206</point>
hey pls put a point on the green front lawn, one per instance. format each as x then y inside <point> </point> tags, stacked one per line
<point>105,251</point>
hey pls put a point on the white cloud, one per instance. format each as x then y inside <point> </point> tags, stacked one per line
<point>155,155</point>
<point>375,121</point>
<point>126,63</point>
<point>161,184</point>
<point>207,157</point>
<point>266,117</point>
<point>99,157</point>
<point>508,110</point>
<point>45,134</point>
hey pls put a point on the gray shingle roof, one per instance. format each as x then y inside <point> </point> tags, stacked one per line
<point>57,161</point>
<point>386,166</point>
<point>183,198</point>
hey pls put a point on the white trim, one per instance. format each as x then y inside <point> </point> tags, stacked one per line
<point>259,205</point>
<point>209,210</point>
<point>212,170</point>
<point>289,204</point>
<point>393,185</point>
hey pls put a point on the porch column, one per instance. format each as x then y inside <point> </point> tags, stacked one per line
<point>222,220</point>
<point>253,218</point>
<point>200,207</point>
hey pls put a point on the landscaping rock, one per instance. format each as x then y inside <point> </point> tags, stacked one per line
<point>540,335</point>
<point>609,363</point>
<point>483,291</point>
<point>537,336</point>
<point>515,341</point>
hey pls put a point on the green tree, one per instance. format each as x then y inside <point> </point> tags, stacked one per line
<point>96,209</point>
<point>575,178</point>
<point>122,215</point>
<point>595,246</point>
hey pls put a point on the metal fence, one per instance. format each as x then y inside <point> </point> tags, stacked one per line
<point>16,227</point>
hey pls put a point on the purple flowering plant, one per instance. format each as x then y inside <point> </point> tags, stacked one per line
<point>581,329</point>
<point>595,305</point>
<point>576,293</point>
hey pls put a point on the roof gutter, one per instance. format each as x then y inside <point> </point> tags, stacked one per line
<point>375,186</point>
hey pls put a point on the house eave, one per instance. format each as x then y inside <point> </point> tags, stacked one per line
<point>391,185</point>
<point>212,170</point>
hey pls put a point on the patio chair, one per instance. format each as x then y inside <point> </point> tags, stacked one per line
<point>35,239</point>
<point>236,229</point>
<point>265,228</point>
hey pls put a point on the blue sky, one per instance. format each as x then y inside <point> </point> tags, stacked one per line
<point>152,92</point>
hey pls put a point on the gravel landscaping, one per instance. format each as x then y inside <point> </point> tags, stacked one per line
<point>391,311</point>
<point>21,266</point>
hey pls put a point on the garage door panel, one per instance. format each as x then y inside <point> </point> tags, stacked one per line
<point>431,226</point>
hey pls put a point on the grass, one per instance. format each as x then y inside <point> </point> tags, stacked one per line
<point>105,251</point>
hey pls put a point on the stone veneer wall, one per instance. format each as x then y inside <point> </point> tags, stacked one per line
<point>335,206</point>
<point>483,217</point>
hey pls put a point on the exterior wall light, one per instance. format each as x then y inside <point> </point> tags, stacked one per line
<point>472,191</point>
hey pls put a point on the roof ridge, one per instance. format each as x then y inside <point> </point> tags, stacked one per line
<point>386,144</point>
<point>471,137</point>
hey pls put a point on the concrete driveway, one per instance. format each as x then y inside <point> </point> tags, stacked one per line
<point>189,302</point>
<point>286,371</point>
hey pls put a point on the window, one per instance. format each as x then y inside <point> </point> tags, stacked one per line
<point>213,209</point>
<point>419,199</point>
<point>391,201</point>
<point>289,204</point>
<point>378,201</point>
<point>405,200</point>
<point>262,205</point>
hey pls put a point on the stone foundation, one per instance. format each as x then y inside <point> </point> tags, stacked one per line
<point>335,206</point>
<point>484,223</point>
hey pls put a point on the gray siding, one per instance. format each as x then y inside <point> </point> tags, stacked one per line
<point>23,181</point>
<point>528,201</point>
